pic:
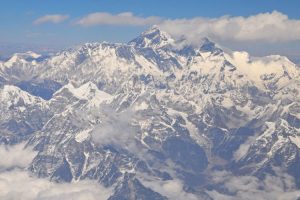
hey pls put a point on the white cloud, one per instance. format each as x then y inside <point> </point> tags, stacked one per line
<point>15,156</point>
<point>281,186</point>
<point>172,189</point>
<point>268,27</point>
<point>51,19</point>
<point>243,148</point>
<point>15,182</point>
<point>125,18</point>
<point>18,184</point>
<point>115,128</point>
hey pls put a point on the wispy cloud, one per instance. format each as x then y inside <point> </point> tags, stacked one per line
<point>51,19</point>
<point>125,18</point>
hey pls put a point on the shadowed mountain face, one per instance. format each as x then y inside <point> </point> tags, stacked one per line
<point>139,116</point>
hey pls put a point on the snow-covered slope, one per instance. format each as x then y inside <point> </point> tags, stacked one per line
<point>153,109</point>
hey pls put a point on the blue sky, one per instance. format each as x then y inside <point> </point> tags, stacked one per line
<point>17,19</point>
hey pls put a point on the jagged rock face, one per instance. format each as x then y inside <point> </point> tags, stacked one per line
<point>119,113</point>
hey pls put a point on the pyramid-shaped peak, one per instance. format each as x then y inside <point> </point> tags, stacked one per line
<point>206,45</point>
<point>86,91</point>
<point>154,38</point>
<point>155,31</point>
<point>79,89</point>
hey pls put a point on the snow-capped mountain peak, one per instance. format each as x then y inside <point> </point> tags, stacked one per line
<point>14,95</point>
<point>207,45</point>
<point>264,71</point>
<point>22,58</point>
<point>154,38</point>
<point>88,91</point>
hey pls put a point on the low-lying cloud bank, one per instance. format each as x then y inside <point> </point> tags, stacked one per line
<point>172,189</point>
<point>18,184</point>
<point>231,187</point>
<point>15,156</point>
<point>281,186</point>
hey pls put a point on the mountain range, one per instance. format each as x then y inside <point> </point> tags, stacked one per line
<point>136,117</point>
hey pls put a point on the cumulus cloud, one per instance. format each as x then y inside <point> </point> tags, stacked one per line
<point>15,156</point>
<point>18,184</point>
<point>281,186</point>
<point>125,18</point>
<point>266,27</point>
<point>269,27</point>
<point>51,19</point>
